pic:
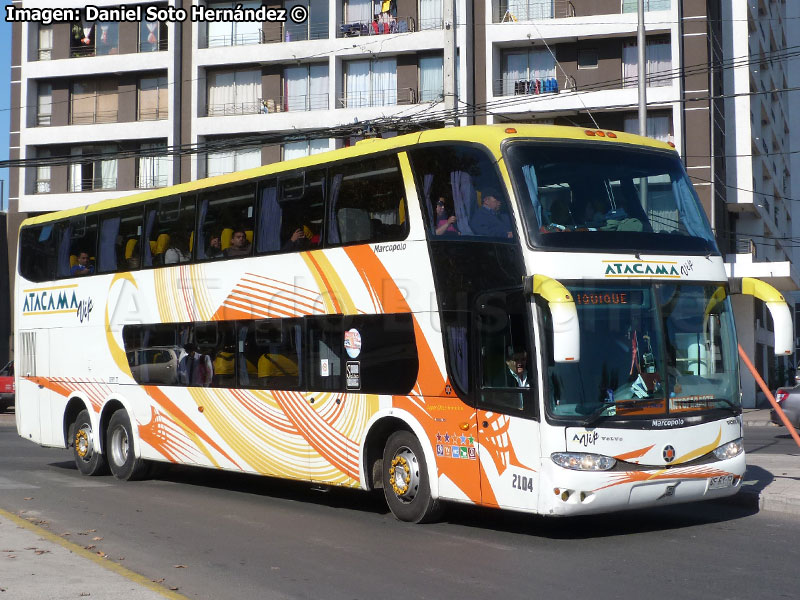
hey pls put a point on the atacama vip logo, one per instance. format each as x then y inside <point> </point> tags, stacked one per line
<point>643,268</point>
<point>56,300</point>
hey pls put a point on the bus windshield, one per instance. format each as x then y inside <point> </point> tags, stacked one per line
<point>648,349</point>
<point>607,197</point>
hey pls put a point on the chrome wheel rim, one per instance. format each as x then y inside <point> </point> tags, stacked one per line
<point>119,446</point>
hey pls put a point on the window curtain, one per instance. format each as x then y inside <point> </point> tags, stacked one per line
<point>357,93</point>
<point>153,169</point>
<point>45,103</point>
<point>107,102</point>
<point>219,33</point>
<point>359,11</point>
<point>295,150</point>
<point>201,231</point>
<point>317,146</point>
<point>529,173</point>
<point>541,65</point>
<point>384,82</point>
<point>45,42</point>
<point>427,183</point>
<point>247,32</point>
<point>458,358</point>
<point>248,159</point>
<point>221,92</point>
<point>430,14</point>
<point>659,63</point>
<point>318,87</point>
<point>75,171</point>
<point>516,70</point>
<point>108,171</point>
<point>107,259</point>
<point>148,235</point>
<point>657,126</point>
<point>43,173</point>
<point>270,220</point>
<point>630,65</point>
<point>431,84</point>
<point>248,91</point>
<point>63,251</point>
<point>332,223</point>
<point>83,102</point>
<point>219,163</point>
<point>296,79</point>
<point>463,199</point>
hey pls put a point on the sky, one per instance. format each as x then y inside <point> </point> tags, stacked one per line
<point>5,99</point>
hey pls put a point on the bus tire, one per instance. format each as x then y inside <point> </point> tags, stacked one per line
<point>87,459</point>
<point>405,480</point>
<point>119,448</point>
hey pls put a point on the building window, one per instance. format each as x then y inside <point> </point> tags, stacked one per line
<point>658,126</point>
<point>315,27</point>
<point>430,14</point>
<point>370,83</point>
<point>152,165</point>
<point>227,33</point>
<point>587,59</point>
<point>42,183</point>
<point>632,6</point>
<point>228,161</point>
<point>306,87</point>
<point>659,63</point>
<point>45,42</point>
<point>527,72</point>
<point>94,39</point>
<point>431,84</point>
<point>511,11</point>
<point>44,107</point>
<point>153,99</point>
<point>304,148</point>
<point>234,93</point>
<point>152,36</point>
<point>90,170</point>
<point>94,101</point>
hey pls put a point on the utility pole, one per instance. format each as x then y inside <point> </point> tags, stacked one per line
<point>449,63</point>
<point>642,47</point>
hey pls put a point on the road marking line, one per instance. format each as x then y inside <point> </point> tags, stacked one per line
<point>104,562</point>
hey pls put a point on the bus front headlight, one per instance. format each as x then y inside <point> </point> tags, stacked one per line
<point>729,450</point>
<point>583,461</point>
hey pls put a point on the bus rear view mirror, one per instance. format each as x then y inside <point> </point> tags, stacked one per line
<point>778,310</point>
<point>566,329</point>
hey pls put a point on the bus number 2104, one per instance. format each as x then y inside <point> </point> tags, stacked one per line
<point>523,483</point>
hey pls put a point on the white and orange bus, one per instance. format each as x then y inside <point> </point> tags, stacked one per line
<point>533,318</point>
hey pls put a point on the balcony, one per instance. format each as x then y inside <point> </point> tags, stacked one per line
<point>512,11</point>
<point>384,97</point>
<point>294,103</point>
<point>379,27</point>
<point>508,86</point>
<point>94,117</point>
<point>296,33</point>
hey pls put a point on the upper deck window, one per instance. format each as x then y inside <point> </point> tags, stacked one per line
<point>604,197</point>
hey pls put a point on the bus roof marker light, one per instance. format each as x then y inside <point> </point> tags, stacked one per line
<point>589,132</point>
<point>611,134</point>
<point>511,130</point>
<point>601,134</point>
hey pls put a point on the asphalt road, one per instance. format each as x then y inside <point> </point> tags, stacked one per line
<point>216,535</point>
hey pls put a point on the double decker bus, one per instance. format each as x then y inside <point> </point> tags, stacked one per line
<point>534,318</point>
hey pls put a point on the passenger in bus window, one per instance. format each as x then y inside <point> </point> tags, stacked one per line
<point>299,240</point>
<point>83,267</point>
<point>214,249</point>
<point>489,220</point>
<point>178,252</point>
<point>445,223</point>
<point>195,369</point>
<point>240,246</point>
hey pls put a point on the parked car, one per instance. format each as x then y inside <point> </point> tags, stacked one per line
<point>156,364</point>
<point>7,387</point>
<point>788,399</point>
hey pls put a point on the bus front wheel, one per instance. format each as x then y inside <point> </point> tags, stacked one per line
<point>119,447</point>
<point>405,480</point>
<point>88,460</point>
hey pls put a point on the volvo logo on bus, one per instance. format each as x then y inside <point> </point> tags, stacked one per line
<point>668,454</point>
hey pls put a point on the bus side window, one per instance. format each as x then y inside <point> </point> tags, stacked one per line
<point>119,245</point>
<point>78,236</point>
<point>272,353</point>
<point>38,252</point>
<point>290,217</point>
<point>366,202</point>
<point>504,354</point>
<point>222,212</point>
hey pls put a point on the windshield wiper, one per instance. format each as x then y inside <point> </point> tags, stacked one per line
<point>605,405</point>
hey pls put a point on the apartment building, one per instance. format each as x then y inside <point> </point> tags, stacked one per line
<point>108,103</point>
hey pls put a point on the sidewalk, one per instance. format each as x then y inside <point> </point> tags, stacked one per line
<point>771,481</point>
<point>38,565</point>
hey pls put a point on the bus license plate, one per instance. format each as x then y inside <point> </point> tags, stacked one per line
<point>722,481</point>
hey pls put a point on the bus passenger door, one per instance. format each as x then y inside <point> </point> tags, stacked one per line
<point>32,396</point>
<point>508,433</point>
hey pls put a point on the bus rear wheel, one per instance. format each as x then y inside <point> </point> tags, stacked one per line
<point>119,447</point>
<point>88,460</point>
<point>405,480</point>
